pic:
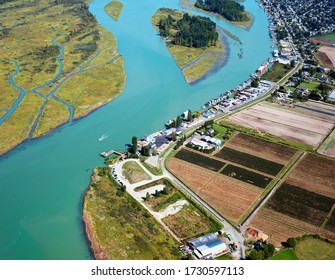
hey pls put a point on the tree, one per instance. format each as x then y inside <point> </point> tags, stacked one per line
<point>189,115</point>
<point>291,242</point>
<point>196,114</point>
<point>178,121</point>
<point>166,190</point>
<point>134,145</point>
<point>145,151</point>
<point>256,255</point>
<point>174,136</point>
<point>292,63</point>
<point>269,250</point>
<point>147,197</point>
<point>255,83</point>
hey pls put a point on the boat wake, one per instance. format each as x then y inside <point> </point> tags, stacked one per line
<point>102,137</point>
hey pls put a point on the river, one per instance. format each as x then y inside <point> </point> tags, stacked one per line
<point>43,180</point>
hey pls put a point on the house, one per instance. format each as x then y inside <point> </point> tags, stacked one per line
<point>207,246</point>
<point>169,131</point>
<point>302,91</point>
<point>199,143</point>
<point>208,115</point>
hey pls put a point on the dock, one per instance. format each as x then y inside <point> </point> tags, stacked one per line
<point>108,153</point>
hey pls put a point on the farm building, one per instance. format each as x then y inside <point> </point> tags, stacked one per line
<point>208,115</point>
<point>207,246</point>
<point>199,143</point>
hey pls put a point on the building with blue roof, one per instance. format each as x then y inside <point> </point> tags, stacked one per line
<point>207,246</point>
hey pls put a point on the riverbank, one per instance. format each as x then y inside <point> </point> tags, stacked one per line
<point>195,63</point>
<point>113,218</point>
<point>61,75</point>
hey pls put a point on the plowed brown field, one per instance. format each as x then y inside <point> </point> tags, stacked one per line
<point>230,199</point>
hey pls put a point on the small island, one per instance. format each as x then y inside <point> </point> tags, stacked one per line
<point>114,9</point>
<point>193,41</point>
<point>227,10</point>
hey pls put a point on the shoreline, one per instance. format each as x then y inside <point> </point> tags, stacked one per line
<point>217,65</point>
<point>94,246</point>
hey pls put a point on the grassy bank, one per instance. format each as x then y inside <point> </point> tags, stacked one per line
<point>119,228</point>
<point>114,9</point>
<point>32,36</point>
<point>194,62</point>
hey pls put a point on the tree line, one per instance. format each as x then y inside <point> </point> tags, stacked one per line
<point>229,9</point>
<point>193,31</point>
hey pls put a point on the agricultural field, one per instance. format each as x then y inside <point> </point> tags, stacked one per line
<point>303,204</point>
<point>327,148</point>
<point>247,176</point>
<point>229,197</point>
<point>189,222</point>
<point>316,174</point>
<point>286,122</point>
<point>199,159</point>
<point>134,173</point>
<point>261,148</point>
<point>250,161</point>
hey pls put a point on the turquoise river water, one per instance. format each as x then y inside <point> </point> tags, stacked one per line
<point>43,181</point>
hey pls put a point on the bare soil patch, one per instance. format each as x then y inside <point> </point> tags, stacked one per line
<point>277,231</point>
<point>227,197</point>
<point>329,52</point>
<point>322,41</point>
<point>316,174</point>
<point>261,148</point>
<point>284,122</point>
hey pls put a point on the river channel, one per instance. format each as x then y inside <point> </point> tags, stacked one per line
<point>43,180</point>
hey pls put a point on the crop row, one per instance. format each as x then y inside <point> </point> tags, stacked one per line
<point>200,160</point>
<point>250,161</point>
<point>246,176</point>
<point>301,204</point>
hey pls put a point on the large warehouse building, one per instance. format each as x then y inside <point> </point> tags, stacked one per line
<point>207,246</point>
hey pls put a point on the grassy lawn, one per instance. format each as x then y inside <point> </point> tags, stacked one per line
<point>195,62</point>
<point>114,9</point>
<point>315,249</point>
<point>224,257</point>
<point>329,37</point>
<point>134,172</point>
<point>285,255</point>
<point>310,85</point>
<point>122,228</point>
<point>276,72</point>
